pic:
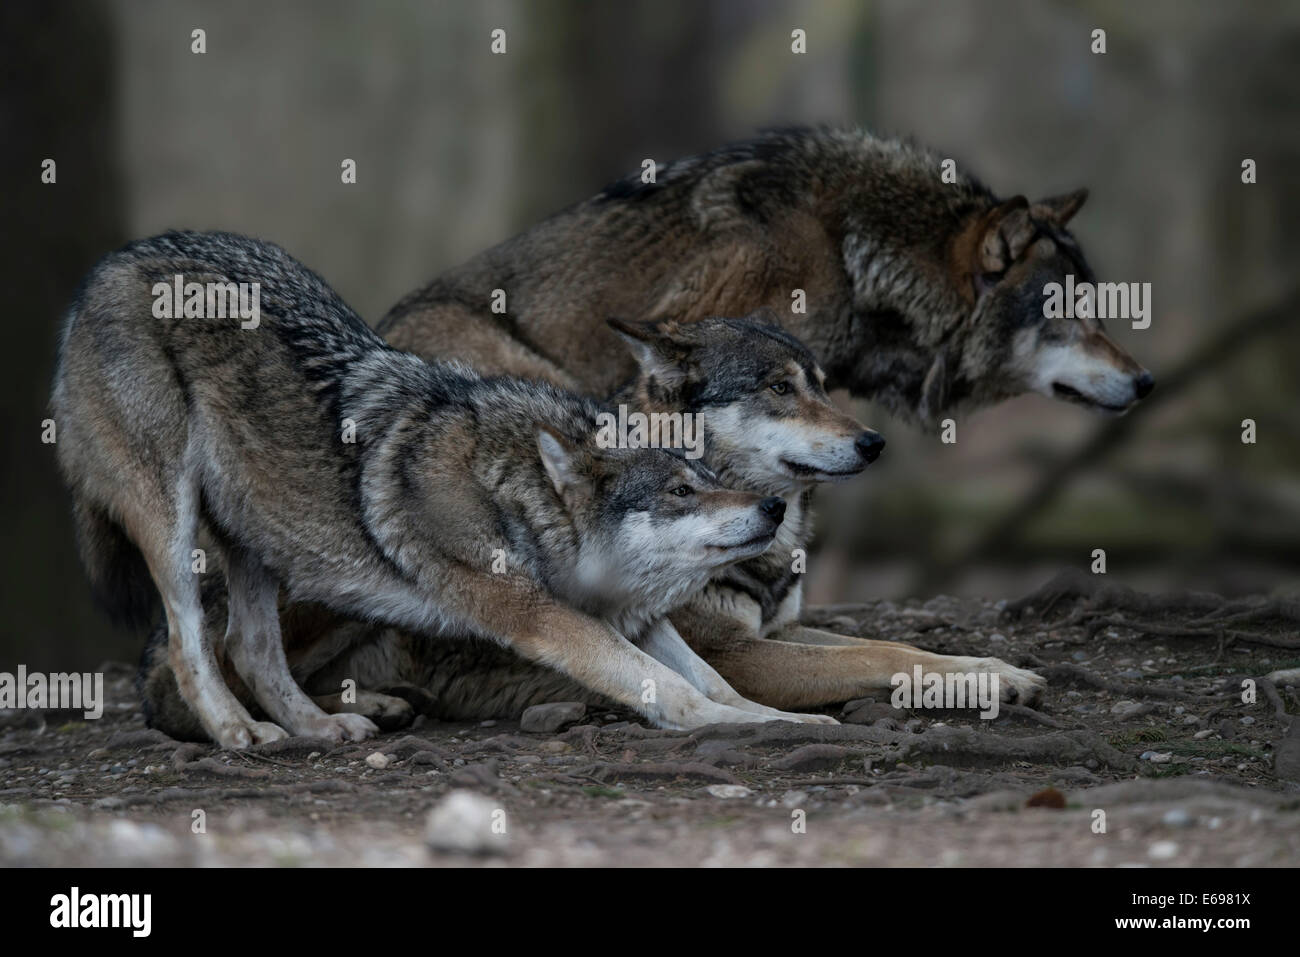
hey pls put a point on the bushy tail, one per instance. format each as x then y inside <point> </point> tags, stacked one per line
<point>119,577</point>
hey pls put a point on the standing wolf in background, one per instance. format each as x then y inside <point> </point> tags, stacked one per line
<point>768,427</point>
<point>923,295</point>
<point>326,463</point>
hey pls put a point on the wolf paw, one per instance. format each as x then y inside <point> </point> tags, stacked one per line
<point>237,737</point>
<point>340,727</point>
<point>388,712</point>
<point>1016,685</point>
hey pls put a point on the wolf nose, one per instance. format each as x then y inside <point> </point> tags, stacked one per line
<point>773,507</point>
<point>870,445</point>
<point>1144,384</point>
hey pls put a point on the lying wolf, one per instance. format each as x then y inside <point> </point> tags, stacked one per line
<point>768,427</point>
<point>923,295</point>
<point>325,463</point>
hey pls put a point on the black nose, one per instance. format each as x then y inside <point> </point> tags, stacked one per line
<point>870,445</point>
<point>773,507</point>
<point>1145,383</point>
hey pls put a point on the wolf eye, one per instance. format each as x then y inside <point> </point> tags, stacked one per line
<point>682,491</point>
<point>780,388</point>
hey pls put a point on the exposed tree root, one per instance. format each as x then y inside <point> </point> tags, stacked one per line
<point>1260,621</point>
<point>1070,673</point>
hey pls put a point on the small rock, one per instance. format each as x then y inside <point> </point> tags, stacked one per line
<point>1247,720</point>
<point>1125,708</point>
<point>463,822</point>
<point>378,760</point>
<point>1177,817</point>
<point>1203,734</point>
<point>1155,757</point>
<point>1162,851</point>
<point>484,775</point>
<point>729,790</point>
<point>551,717</point>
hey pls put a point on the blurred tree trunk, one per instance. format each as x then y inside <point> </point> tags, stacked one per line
<point>590,75</point>
<point>58,102</point>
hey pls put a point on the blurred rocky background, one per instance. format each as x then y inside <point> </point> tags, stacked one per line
<point>457,149</point>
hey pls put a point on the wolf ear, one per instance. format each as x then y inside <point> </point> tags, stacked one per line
<point>559,459</point>
<point>1060,209</point>
<point>656,347</point>
<point>1007,231</point>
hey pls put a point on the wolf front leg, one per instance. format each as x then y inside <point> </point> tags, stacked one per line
<point>663,643</point>
<point>589,651</point>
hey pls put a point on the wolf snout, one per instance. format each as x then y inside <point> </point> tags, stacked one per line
<point>773,507</point>
<point>1143,384</point>
<point>869,445</point>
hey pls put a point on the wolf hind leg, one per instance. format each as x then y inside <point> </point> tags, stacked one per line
<point>802,635</point>
<point>166,547</point>
<point>792,674</point>
<point>663,643</point>
<point>387,712</point>
<point>256,649</point>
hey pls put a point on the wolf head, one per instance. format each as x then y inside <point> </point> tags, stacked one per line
<point>1007,257</point>
<point>766,420</point>
<point>652,525</point>
<point>945,283</point>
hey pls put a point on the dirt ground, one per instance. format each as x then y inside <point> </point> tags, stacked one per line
<point>1142,753</point>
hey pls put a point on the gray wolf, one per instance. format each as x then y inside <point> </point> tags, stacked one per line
<point>923,295</point>
<point>768,427</point>
<point>324,464</point>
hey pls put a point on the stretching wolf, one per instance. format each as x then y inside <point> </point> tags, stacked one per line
<point>768,427</point>
<point>325,463</point>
